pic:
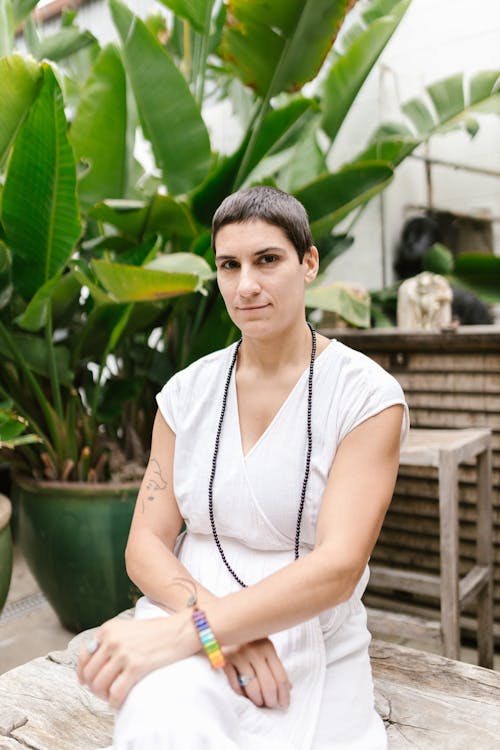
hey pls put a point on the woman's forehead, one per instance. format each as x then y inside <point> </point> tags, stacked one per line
<point>252,235</point>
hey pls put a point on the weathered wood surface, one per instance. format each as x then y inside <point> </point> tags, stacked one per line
<point>433,703</point>
<point>451,381</point>
<point>43,706</point>
<point>428,703</point>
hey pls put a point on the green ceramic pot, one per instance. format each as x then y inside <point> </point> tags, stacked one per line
<point>5,549</point>
<point>73,537</point>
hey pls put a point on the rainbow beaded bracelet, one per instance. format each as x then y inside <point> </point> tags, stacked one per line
<point>207,638</point>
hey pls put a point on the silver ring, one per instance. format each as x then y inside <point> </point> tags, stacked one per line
<point>92,645</point>
<point>244,679</point>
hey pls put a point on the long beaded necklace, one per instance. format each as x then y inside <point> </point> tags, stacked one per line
<point>308,455</point>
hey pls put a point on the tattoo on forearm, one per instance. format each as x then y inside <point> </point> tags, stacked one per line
<point>155,481</point>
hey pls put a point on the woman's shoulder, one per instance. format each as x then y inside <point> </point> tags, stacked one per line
<point>203,371</point>
<point>349,362</point>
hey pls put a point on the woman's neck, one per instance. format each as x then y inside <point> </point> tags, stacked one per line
<point>268,355</point>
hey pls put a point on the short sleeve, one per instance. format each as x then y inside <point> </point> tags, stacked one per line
<point>369,394</point>
<point>168,402</point>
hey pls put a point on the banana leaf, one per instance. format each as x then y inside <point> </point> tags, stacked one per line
<point>331,197</point>
<point>7,28</point>
<point>135,284</point>
<point>135,218</point>
<point>64,43</point>
<point>278,128</point>
<point>333,297</point>
<point>34,351</point>
<point>5,276</point>
<point>356,59</point>
<point>40,212</point>
<point>194,11</point>
<point>22,8</point>
<point>279,46</point>
<point>479,272</point>
<point>454,100</point>
<point>99,130</point>
<point>169,114</point>
<point>19,83</point>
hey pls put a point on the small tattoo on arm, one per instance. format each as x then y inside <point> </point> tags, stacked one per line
<point>155,481</point>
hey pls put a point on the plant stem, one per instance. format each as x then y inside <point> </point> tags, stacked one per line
<point>54,378</point>
<point>32,422</point>
<point>35,387</point>
<point>186,44</point>
<point>202,69</point>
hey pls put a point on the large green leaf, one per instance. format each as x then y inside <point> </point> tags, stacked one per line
<point>99,130</point>
<point>334,297</point>
<point>169,114</point>
<point>306,160</point>
<point>278,46</point>
<point>331,197</point>
<point>351,67</point>
<point>64,43</point>
<point>19,82</point>
<point>194,11</point>
<point>136,284</point>
<point>454,100</point>
<point>39,206</point>
<point>6,27</point>
<point>34,351</point>
<point>5,275</point>
<point>162,214</point>
<point>22,8</point>
<point>12,427</point>
<point>182,263</point>
<point>479,272</point>
<point>278,128</point>
<point>35,315</point>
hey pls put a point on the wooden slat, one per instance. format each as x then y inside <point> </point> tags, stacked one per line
<point>450,381</point>
<point>472,583</point>
<point>382,623</point>
<point>404,580</point>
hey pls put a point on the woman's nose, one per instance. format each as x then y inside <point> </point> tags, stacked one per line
<point>248,283</point>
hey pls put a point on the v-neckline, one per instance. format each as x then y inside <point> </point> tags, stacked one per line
<point>276,416</point>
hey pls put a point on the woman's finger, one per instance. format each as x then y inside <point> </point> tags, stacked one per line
<point>232,676</point>
<point>281,679</point>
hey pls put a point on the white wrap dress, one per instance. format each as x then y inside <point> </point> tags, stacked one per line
<point>256,498</point>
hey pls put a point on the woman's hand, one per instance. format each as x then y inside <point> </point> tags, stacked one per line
<point>127,650</point>
<point>269,684</point>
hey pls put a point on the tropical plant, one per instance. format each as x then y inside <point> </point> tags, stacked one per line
<point>99,256</point>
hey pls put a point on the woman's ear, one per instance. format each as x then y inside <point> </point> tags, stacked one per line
<point>311,264</point>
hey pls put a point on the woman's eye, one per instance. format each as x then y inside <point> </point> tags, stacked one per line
<point>267,259</point>
<point>228,265</point>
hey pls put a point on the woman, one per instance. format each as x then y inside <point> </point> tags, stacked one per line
<point>280,454</point>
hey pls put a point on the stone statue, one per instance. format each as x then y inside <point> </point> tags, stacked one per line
<point>424,303</point>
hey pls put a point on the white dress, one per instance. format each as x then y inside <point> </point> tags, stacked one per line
<point>256,497</point>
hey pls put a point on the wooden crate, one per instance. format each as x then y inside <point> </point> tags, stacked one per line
<point>451,380</point>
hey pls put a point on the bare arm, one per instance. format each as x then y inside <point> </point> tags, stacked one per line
<point>156,524</point>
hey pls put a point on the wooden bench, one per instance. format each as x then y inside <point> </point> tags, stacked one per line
<point>446,450</point>
<point>428,702</point>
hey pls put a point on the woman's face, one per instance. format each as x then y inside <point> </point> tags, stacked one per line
<point>261,278</point>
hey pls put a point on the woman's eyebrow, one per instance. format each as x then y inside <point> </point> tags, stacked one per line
<point>264,250</point>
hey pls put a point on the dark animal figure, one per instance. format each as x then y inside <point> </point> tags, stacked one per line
<point>418,235</point>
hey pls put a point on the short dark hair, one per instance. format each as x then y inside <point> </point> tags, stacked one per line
<point>267,204</point>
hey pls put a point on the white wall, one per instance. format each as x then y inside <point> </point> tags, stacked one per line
<point>436,38</point>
